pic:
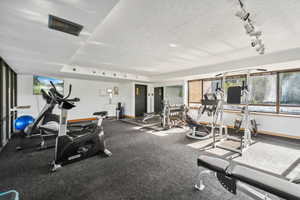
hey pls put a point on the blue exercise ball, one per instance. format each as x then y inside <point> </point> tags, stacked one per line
<point>22,122</point>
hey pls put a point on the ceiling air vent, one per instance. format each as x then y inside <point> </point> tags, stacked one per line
<point>63,25</point>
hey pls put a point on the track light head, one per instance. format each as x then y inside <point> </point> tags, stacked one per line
<point>249,28</point>
<point>261,49</point>
<point>255,33</point>
<point>255,42</point>
<point>242,14</point>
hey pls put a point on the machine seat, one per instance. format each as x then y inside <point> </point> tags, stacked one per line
<point>267,182</point>
<point>192,123</point>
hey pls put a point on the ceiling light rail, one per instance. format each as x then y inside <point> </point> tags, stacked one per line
<point>251,30</point>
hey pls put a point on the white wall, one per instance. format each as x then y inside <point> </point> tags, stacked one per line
<point>127,98</point>
<point>285,125</point>
<point>88,91</point>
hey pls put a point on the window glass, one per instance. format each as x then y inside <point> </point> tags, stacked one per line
<point>232,82</point>
<point>233,107</point>
<point>258,108</point>
<point>263,89</point>
<point>289,88</point>
<point>290,110</point>
<point>289,92</point>
<point>210,86</point>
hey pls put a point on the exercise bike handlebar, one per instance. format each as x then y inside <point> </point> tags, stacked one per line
<point>60,98</point>
<point>59,94</point>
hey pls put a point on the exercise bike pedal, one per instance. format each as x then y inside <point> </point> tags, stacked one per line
<point>199,187</point>
<point>107,153</point>
<point>55,167</point>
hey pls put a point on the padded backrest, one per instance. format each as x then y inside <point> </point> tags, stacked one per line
<point>213,163</point>
<point>234,95</point>
<point>257,178</point>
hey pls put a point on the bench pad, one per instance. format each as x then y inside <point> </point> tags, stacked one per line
<point>259,179</point>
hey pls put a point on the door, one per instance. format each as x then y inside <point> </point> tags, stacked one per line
<point>140,100</point>
<point>8,96</point>
<point>158,99</point>
<point>1,105</point>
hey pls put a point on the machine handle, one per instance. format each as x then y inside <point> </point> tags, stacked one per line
<point>74,100</point>
<point>70,90</point>
<point>244,86</point>
<point>262,70</point>
<point>59,94</point>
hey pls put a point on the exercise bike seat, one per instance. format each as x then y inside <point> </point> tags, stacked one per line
<point>101,113</point>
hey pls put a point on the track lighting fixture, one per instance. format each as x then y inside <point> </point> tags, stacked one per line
<point>251,30</point>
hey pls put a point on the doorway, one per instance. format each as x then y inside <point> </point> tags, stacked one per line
<point>140,100</point>
<point>158,99</point>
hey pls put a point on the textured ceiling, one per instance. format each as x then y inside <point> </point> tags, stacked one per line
<point>156,38</point>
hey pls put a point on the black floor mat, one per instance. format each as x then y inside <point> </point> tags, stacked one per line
<point>143,166</point>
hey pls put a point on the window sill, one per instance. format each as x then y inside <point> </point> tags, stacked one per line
<point>255,113</point>
<point>265,114</point>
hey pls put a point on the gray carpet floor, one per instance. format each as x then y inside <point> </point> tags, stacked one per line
<point>143,166</point>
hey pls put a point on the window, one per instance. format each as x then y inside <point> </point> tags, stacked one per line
<point>276,92</point>
<point>195,91</point>
<point>263,92</point>
<point>289,93</point>
<point>232,82</point>
<point>210,86</point>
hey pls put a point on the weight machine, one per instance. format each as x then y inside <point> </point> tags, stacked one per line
<point>246,140</point>
<point>210,105</point>
<point>173,115</point>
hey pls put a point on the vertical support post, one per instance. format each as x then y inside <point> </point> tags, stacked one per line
<point>247,133</point>
<point>278,91</point>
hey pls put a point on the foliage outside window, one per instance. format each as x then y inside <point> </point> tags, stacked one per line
<point>263,92</point>
<point>289,92</point>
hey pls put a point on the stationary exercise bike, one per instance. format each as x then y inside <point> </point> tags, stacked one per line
<point>73,147</point>
<point>45,119</point>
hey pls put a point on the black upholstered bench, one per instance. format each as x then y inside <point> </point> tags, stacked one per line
<point>246,174</point>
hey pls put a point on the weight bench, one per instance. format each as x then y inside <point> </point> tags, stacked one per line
<point>232,175</point>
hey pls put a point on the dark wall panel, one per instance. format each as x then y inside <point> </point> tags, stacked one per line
<point>1,103</point>
<point>8,92</point>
